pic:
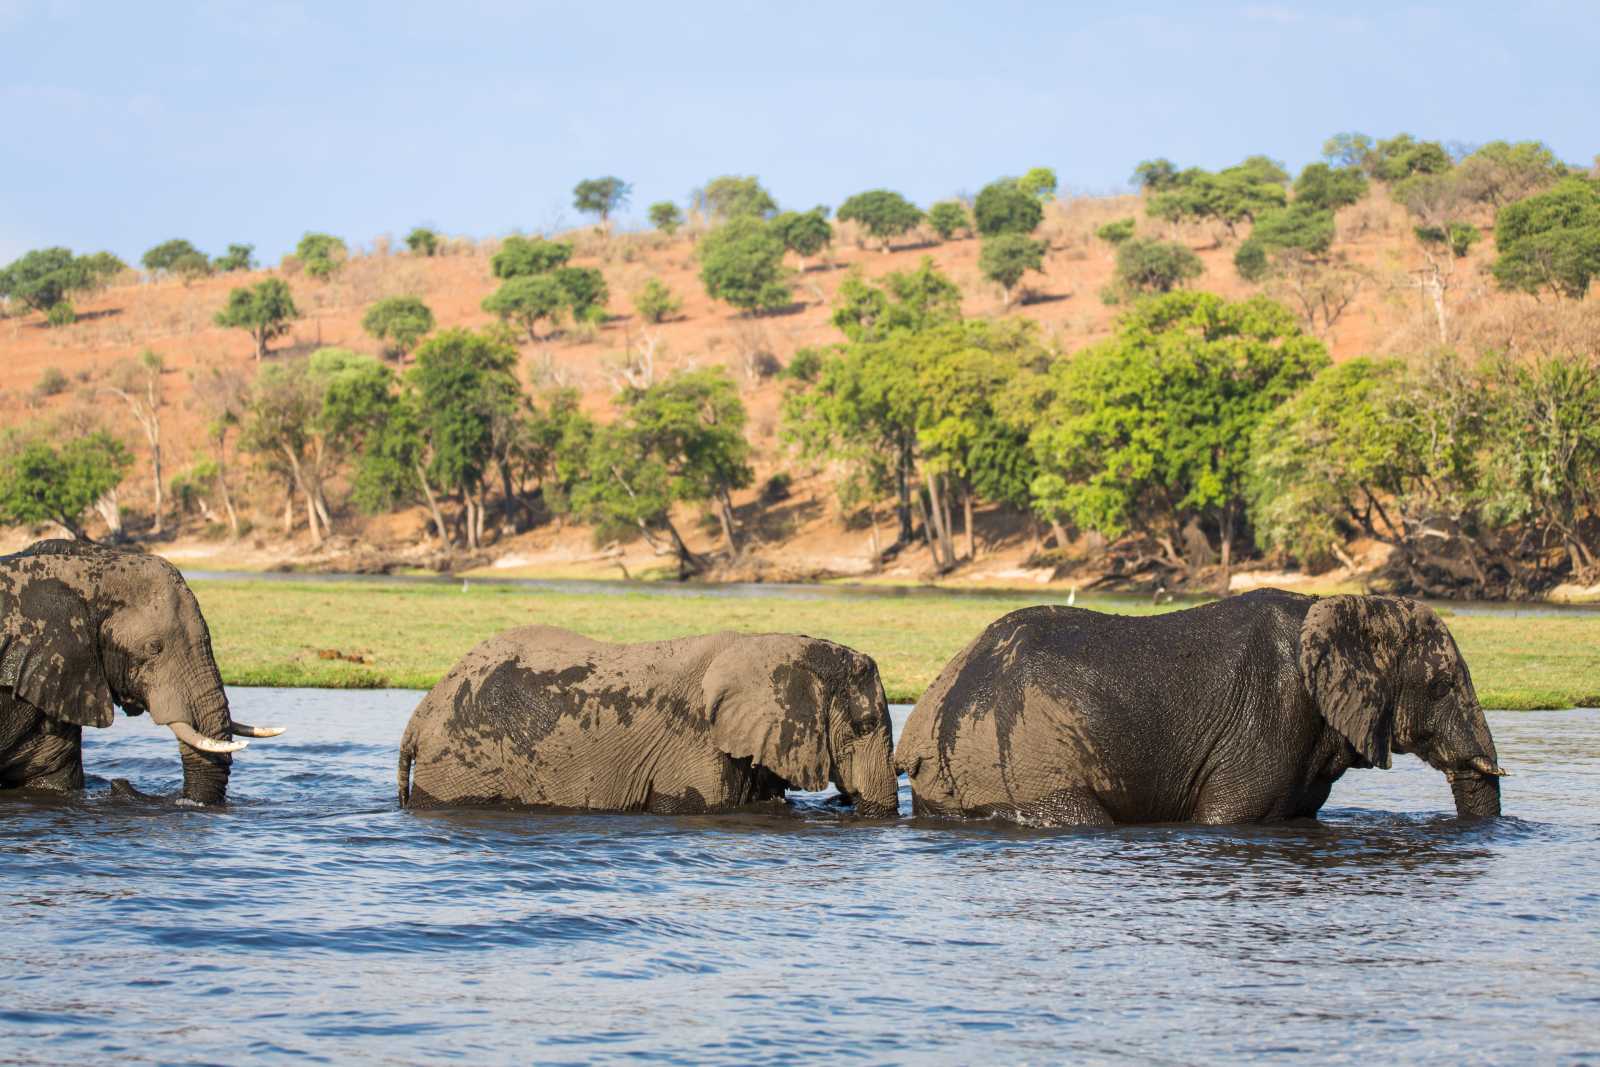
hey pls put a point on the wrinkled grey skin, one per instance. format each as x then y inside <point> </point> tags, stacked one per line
<point>547,718</point>
<point>83,628</point>
<point>1246,710</point>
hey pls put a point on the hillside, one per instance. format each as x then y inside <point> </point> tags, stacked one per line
<point>802,535</point>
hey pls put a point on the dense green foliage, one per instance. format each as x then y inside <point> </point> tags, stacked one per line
<point>163,258</point>
<point>601,196</point>
<point>948,216</point>
<point>321,254</point>
<point>741,262</point>
<point>1150,266</point>
<point>1116,231</point>
<point>1003,207</point>
<point>906,300</point>
<point>43,482</point>
<point>730,197</point>
<point>1230,196</point>
<point>666,216</point>
<point>238,257</point>
<point>399,322</point>
<point>1006,258</point>
<point>423,242</point>
<point>265,310</point>
<point>1551,240</point>
<point>884,214</point>
<point>528,298</point>
<point>520,257</point>
<point>655,302</point>
<point>1321,186</point>
<point>804,233</point>
<point>44,278</point>
<point>1301,229</point>
<point>1039,182</point>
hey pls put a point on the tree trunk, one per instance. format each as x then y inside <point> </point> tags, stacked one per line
<point>512,500</point>
<point>903,487</point>
<point>725,514</point>
<point>877,552</point>
<point>111,511</point>
<point>1060,534</point>
<point>433,507</point>
<point>311,517</point>
<point>222,489</point>
<point>688,562</point>
<point>1225,582</point>
<point>945,552</point>
<point>966,515</point>
<point>155,468</point>
<point>288,509</point>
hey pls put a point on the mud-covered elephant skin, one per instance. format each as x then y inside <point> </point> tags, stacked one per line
<point>542,717</point>
<point>83,629</point>
<point>1246,710</point>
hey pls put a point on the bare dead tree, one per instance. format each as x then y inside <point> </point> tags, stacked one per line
<point>138,385</point>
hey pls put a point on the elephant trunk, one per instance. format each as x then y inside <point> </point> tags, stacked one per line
<point>204,729</point>
<point>1465,752</point>
<point>1477,795</point>
<point>869,779</point>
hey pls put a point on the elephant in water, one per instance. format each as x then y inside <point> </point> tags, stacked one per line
<point>547,718</point>
<point>1246,710</point>
<point>84,627</point>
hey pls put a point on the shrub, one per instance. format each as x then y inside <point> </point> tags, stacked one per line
<point>655,302</point>
<point>51,382</point>
<point>423,242</point>
<point>265,310</point>
<point>525,299</point>
<point>61,314</point>
<point>523,256</point>
<point>237,258</point>
<point>399,322</point>
<point>1145,266</point>
<point>804,233</point>
<point>1040,182</point>
<point>321,255</point>
<point>1116,231</point>
<point>741,262</point>
<point>948,216</point>
<point>163,258</point>
<point>730,197</point>
<point>1458,237</point>
<point>1320,186</point>
<point>1550,240</point>
<point>191,267</point>
<point>1002,207</point>
<point>884,214</point>
<point>665,216</point>
<point>586,292</point>
<point>806,366</point>
<point>1006,258</point>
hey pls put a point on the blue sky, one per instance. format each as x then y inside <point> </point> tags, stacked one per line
<point>129,123</point>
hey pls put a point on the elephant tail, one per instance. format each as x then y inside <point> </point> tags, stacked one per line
<point>408,756</point>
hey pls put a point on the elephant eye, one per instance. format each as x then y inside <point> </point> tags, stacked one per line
<point>152,647</point>
<point>1440,687</point>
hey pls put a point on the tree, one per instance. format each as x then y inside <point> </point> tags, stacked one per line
<point>948,216</point>
<point>398,322</point>
<point>525,256</point>
<point>321,254</point>
<point>40,482</point>
<point>283,427</point>
<point>423,242</point>
<point>138,385</point>
<point>1116,231</point>
<point>601,196</point>
<point>1006,258</point>
<point>191,267</point>
<point>586,292</point>
<point>1501,173</point>
<point>1154,427</point>
<point>1229,197</point>
<point>1349,151</point>
<point>43,278</point>
<point>525,299</point>
<point>265,310</point>
<point>1149,266</point>
<point>1002,207</point>
<point>1300,230</point>
<point>655,302</point>
<point>223,398</point>
<point>805,233</point>
<point>883,213</point>
<point>237,258</point>
<point>906,300</point>
<point>741,262</point>
<point>163,257</point>
<point>1154,175</point>
<point>666,216</point>
<point>1040,182</point>
<point>1320,186</point>
<point>1550,240</point>
<point>730,197</point>
<point>1403,155</point>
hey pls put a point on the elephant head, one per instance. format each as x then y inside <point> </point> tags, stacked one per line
<point>1386,674</point>
<point>84,627</point>
<point>808,710</point>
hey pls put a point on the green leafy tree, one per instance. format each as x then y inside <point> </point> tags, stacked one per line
<point>163,258</point>
<point>730,197</point>
<point>61,314</point>
<point>1040,182</point>
<point>741,262</point>
<point>905,300</point>
<point>423,242</point>
<point>1003,207</point>
<point>1301,230</point>
<point>884,214</point>
<point>1154,427</point>
<point>601,196</point>
<point>1349,151</point>
<point>1116,231</point>
<point>1321,186</point>
<point>805,233</point>
<point>666,216</point>
<point>948,216</point>
<point>521,257</point>
<point>655,302</point>
<point>321,254</point>
<point>586,292</point>
<point>1154,175</point>
<point>1500,173</point>
<point>1006,258</point>
<point>1550,240</point>
<point>526,299</point>
<point>44,278</point>
<point>238,257</point>
<point>100,268</point>
<point>265,310</point>
<point>1228,197</point>
<point>1150,266</point>
<point>398,322</point>
<point>44,482</point>
<point>1403,155</point>
<point>1457,237</point>
<point>191,267</point>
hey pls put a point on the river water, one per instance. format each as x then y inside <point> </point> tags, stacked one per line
<point>312,920</point>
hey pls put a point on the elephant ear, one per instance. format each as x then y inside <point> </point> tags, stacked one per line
<point>764,703</point>
<point>51,656</point>
<point>1348,647</point>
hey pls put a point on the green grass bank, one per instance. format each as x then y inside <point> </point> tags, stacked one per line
<point>286,633</point>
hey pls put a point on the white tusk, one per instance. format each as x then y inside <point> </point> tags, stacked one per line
<point>242,730</point>
<point>192,737</point>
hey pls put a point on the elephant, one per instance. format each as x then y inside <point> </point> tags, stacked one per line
<point>1243,710</point>
<point>85,627</point>
<point>542,717</point>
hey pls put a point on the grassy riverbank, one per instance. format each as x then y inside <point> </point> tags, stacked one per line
<point>362,635</point>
